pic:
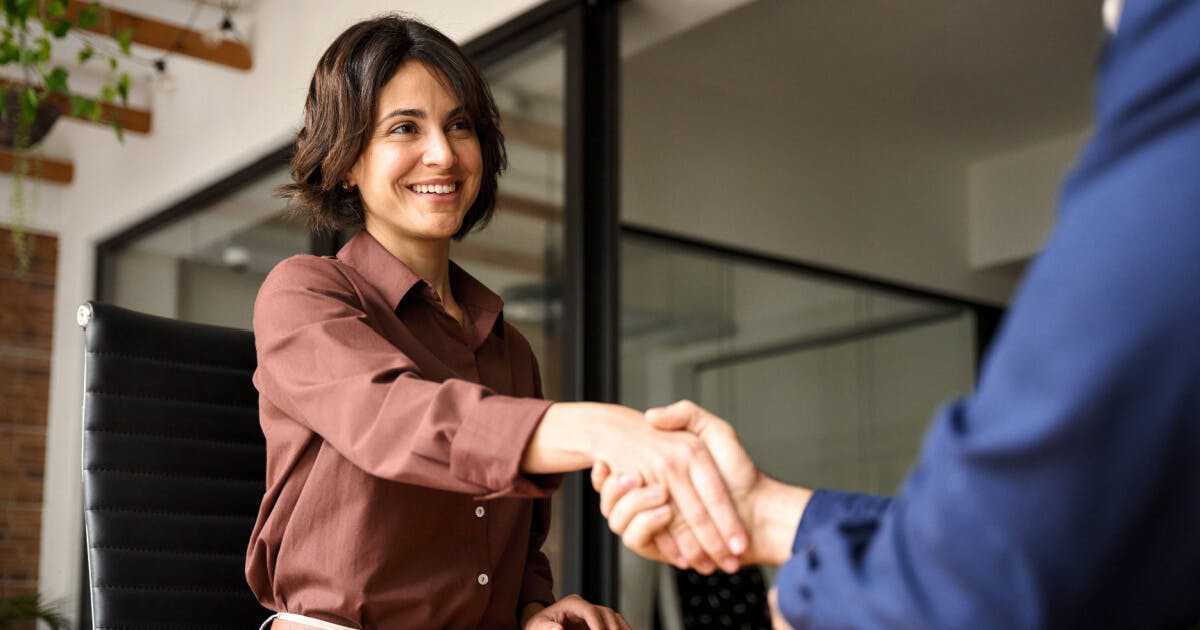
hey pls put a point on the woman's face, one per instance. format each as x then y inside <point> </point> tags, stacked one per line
<point>421,169</point>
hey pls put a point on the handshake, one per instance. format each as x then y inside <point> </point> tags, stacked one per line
<point>675,483</point>
<point>707,506</point>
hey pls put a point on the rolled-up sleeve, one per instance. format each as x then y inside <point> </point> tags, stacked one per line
<point>324,365</point>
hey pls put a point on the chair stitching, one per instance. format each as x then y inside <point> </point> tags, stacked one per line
<point>172,552</point>
<point>151,473</point>
<point>168,589</point>
<point>104,508</point>
<point>198,403</point>
<point>135,357</point>
<point>181,438</point>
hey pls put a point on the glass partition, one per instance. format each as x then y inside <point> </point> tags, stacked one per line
<point>828,381</point>
<point>207,265</point>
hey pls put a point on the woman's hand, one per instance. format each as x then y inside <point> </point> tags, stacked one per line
<point>572,436</point>
<point>572,611</point>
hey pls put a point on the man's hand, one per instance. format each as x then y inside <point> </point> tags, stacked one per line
<point>572,611</point>
<point>778,622</point>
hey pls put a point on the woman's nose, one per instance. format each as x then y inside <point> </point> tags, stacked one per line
<point>438,151</point>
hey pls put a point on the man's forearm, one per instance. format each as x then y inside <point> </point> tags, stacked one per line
<point>776,512</point>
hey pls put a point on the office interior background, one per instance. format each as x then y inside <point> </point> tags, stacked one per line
<point>810,215</point>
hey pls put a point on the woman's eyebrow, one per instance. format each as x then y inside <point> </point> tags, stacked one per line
<point>417,113</point>
<point>410,113</point>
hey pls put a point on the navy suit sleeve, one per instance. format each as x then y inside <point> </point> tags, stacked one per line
<point>1065,492</point>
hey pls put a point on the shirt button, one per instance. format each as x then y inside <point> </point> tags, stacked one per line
<point>479,511</point>
<point>483,579</point>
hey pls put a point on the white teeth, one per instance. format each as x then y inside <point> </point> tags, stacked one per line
<point>437,189</point>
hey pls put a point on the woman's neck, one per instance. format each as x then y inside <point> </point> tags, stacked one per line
<point>429,259</point>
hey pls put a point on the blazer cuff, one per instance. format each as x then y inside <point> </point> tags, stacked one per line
<point>828,506</point>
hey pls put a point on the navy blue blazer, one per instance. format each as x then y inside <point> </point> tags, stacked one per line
<point>1065,492</point>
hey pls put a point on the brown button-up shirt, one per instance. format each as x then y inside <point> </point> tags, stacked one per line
<point>394,436</point>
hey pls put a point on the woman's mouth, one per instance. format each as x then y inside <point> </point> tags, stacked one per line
<point>434,189</point>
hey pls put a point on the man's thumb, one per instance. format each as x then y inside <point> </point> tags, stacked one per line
<point>671,418</point>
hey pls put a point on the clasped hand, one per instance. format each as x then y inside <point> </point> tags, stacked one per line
<point>655,520</point>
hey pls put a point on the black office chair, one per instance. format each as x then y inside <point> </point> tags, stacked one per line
<point>173,471</point>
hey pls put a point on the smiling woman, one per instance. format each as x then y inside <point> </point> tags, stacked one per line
<point>410,456</point>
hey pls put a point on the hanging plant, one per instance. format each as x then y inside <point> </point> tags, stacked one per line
<point>15,610</point>
<point>30,105</point>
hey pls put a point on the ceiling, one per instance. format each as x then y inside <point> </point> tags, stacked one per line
<point>964,77</point>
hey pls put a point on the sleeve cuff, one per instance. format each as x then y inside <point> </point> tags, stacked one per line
<point>490,442</point>
<point>827,506</point>
<point>536,590</point>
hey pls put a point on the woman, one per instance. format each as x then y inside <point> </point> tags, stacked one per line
<point>409,454</point>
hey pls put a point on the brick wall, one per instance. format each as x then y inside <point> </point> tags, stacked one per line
<point>26,303</point>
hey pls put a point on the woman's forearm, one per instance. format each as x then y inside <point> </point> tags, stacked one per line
<point>572,436</point>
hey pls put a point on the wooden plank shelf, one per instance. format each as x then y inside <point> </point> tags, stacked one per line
<point>132,119</point>
<point>47,169</point>
<point>165,36</point>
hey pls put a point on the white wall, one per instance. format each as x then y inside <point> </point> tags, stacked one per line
<point>762,176</point>
<point>214,122</point>
<point>1011,199</point>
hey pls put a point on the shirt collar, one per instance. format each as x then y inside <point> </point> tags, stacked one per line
<point>396,280</point>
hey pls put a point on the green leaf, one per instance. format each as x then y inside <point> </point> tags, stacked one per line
<point>123,84</point>
<point>86,52</point>
<point>81,106</point>
<point>89,16</point>
<point>116,125</point>
<point>56,80</point>
<point>57,28</point>
<point>56,8</point>
<point>9,52</point>
<point>29,105</point>
<point>112,63</point>
<point>124,38</point>
<point>43,49</point>
<point>18,11</point>
<point>108,93</point>
<point>29,57</point>
<point>13,609</point>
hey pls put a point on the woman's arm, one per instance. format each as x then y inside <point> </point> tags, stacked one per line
<point>324,365</point>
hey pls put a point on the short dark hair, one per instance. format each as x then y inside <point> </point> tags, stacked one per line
<point>340,110</point>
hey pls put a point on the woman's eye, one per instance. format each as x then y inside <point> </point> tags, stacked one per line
<point>460,125</point>
<point>403,128</point>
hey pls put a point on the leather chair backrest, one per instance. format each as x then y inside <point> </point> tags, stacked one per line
<point>173,471</point>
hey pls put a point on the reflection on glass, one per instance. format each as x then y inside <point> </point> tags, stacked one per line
<point>828,384</point>
<point>208,266</point>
